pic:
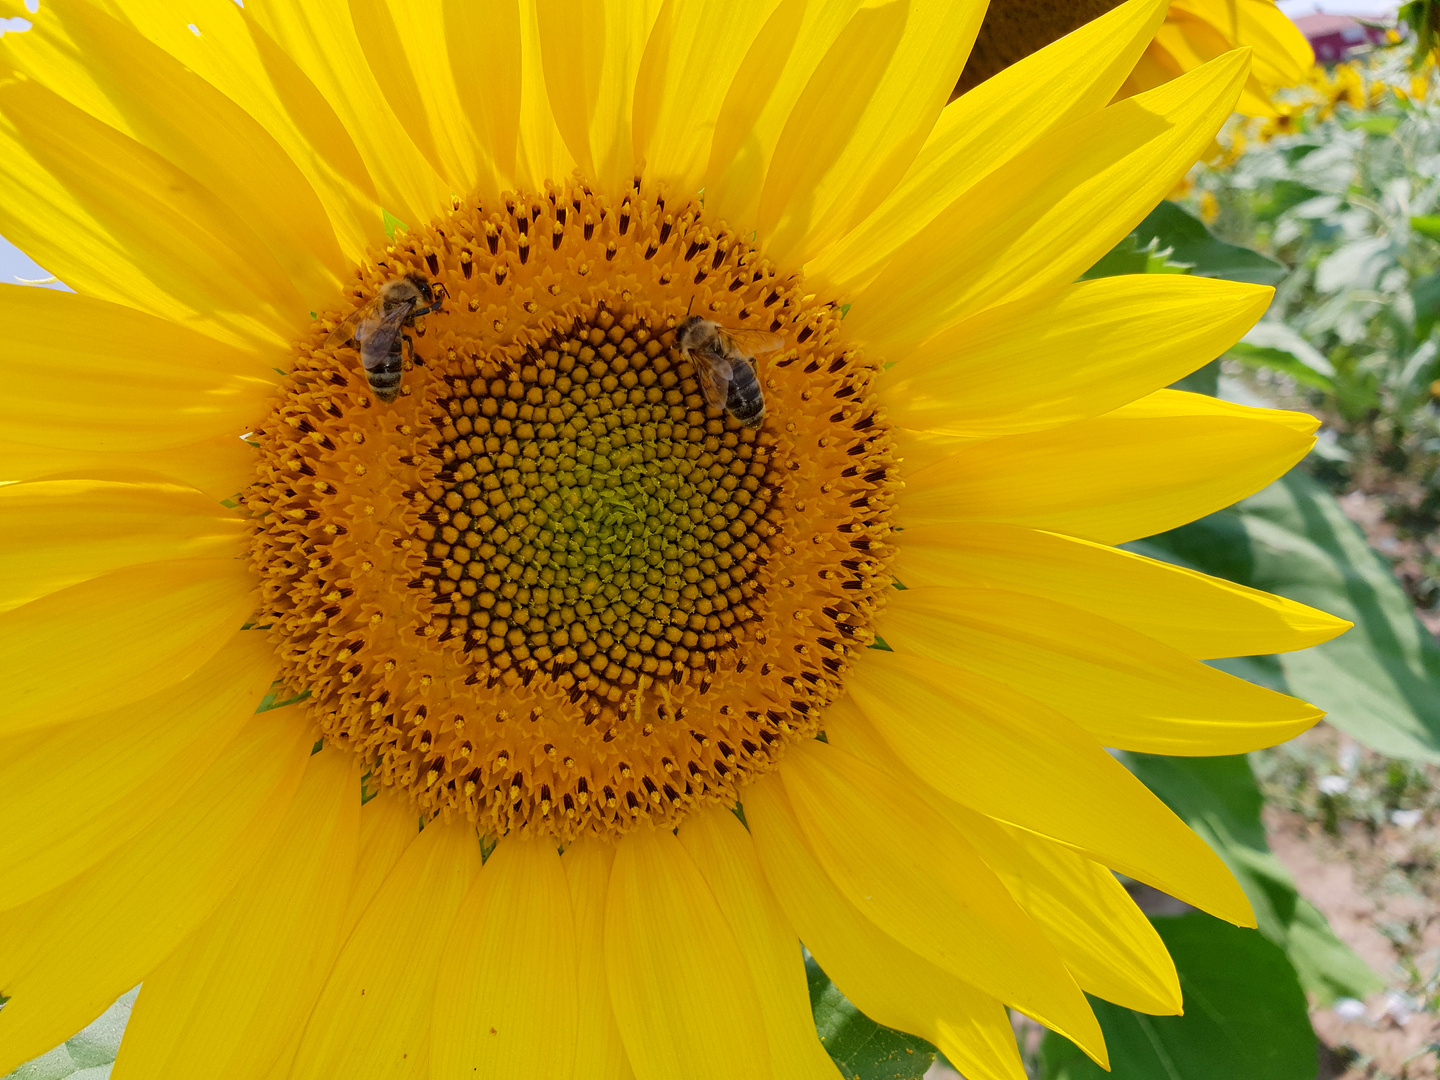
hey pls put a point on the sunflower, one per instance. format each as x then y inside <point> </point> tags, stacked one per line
<point>523,718</point>
<point>1194,32</point>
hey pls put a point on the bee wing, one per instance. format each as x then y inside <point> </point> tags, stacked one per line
<point>753,342</point>
<point>343,334</point>
<point>714,380</point>
<point>377,335</point>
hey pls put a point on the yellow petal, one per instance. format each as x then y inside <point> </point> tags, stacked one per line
<point>1008,756</point>
<point>1094,181</point>
<point>506,1000</point>
<point>542,152</point>
<point>1133,472</point>
<point>771,77</point>
<point>321,39</point>
<point>220,467</point>
<point>87,374</point>
<point>1055,359</point>
<point>912,875</point>
<point>886,981</point>
<point>591,52</point>
<point>149,95</point>
<point>599,1053</point>
<point>682,994</point>
<point>67,955</point>
<point>1107,944</point>
<point>387,827</point>
<point>244,63</point>
<point>405,44</point>
<point>231,1001</point>
<point>490,93</point>
<point>1125,689</point>
<point>58,532</point>
<point>1199,615</point>
<point>861,120</point>
<point>371,1020</point>
<point>691,58</point>
<point>1063,82</point>
<point>80,791</point>
<point>722,851</point>
<point>116,639</point>
<point>115,220</point>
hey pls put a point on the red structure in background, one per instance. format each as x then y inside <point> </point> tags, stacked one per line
<point>1333,36</point>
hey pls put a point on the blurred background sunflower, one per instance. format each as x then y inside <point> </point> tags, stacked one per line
<point>532,513</point>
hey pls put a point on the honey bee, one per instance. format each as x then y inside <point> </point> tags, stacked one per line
<point>724,360</point>
<point>377,329</point>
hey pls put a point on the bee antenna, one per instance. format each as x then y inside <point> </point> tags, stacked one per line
<point>690,305</point>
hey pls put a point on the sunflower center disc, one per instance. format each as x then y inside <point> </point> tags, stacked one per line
<point>546,586</point>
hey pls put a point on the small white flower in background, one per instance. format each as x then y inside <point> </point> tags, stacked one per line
<point>1349,1009</point>
<point>1349,756</point>
<point>1406,819</point>
<point>1333,785</point>
<point>1398,1007</point>
<point>89,1055</point>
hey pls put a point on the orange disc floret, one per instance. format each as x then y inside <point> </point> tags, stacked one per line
<point>549,588</point>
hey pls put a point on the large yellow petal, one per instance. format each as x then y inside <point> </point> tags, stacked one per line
<point>1042,218</point>
<point>117,221</point>
<point>726,859</point>
<point>76,793</point>
<point>886,981</point>
<point>599,1052</point>
<point>771,77</point>
<point>230,1002</point>
<point>87,374</point>
<point>492,93</point>
<point>1067,80</point>
<point>220,467</point>
<point>240,59</point>
<point>906,870</point>
<point>1199,615</point>
<point>320,37</point>
<point>1133,472</point>
<point>1125,689</point>
<point>118,638</point>
<point>1107,944</point>
<point>682,993</point>
<point>65,956</point>
<point>1054,359</point>
<point>405,44</point>
<point>591,51</point>
<point>861,120</point>
<point>56,533</point>
<point>149,95</point>
<point>371,1020</point>
<point>996,751</point>
<point>506,1001</point>
<point>388,825</point>
<point>693,53</point>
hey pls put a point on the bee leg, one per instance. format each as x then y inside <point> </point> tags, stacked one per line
<point>414,356</point>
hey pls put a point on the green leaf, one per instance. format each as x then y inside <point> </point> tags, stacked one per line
<point>87,1056</point>
<point>393,224</point>
<point>1425,293</point>
<point>1274,345</point>
<point>861,1048</point>
<point>1380,682</point>
<point>1427,225</point>
<point>1129,257</point>
<point>1245,1016</point>
<point>1372,125</point>
<point>1190,242</point>
<point>1219,799</point>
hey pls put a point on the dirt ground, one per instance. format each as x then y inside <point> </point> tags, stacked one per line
<point>1361,835</point>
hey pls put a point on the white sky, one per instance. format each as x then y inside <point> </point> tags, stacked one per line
<point>1371,8</point>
